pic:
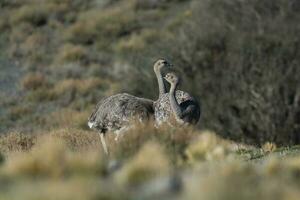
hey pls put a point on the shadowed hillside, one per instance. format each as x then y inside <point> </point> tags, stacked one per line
<point>240,58</point>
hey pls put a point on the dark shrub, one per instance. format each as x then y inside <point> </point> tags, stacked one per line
<point>241,58</point>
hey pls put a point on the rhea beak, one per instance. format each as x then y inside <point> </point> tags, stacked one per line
<point>167,64</point>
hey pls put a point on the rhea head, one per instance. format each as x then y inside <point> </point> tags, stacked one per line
<point>172,78</point>
<point>161,63</point>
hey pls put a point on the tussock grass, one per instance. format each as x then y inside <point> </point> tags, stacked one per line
<point>33,81</point>
<point>208,147</point>
<point>34,14</point>
<point>254,181</point>
<point>18,112</point>
<point>70,162</point>
<point>16,142</point>
<point>150,162</point>
<point>72,53</point>
<point>51,157</point>
<point>77,139</point>
<point>81,86</point>
<point>68,118</point>
<point>65,91</point>
<point>173,140</point>
<point>138,41</point>
<point>109,24</point>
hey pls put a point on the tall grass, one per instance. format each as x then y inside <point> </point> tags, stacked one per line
<point>70,164</point>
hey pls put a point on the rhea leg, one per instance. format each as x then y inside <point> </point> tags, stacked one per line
<point>121,132</point>
<point>103,142</point>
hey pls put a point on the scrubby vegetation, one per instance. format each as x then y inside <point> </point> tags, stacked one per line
<point>182,163</point>
<point>76,52</point>
<point>58,58</point>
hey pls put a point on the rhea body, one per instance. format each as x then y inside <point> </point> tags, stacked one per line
<point>115,113</point>
<point>176,104</point>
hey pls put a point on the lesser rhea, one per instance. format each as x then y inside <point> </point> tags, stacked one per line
<point>116,112</point>
<point>176,104</point>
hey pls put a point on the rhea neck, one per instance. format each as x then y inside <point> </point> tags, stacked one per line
<point>173,88</point>
<point>161,85</point>
<point>174,104</point>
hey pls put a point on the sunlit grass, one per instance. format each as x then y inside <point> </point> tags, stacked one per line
<point>71,164</point>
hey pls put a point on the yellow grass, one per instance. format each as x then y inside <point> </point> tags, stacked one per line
<point>72,53</point>
<point>69,163</point>
<point>150,162</point>
<point>33,81</point>
<point>82,86</point>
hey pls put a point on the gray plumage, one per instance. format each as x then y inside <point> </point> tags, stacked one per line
<point>117,111</point>
<point>184,109</point>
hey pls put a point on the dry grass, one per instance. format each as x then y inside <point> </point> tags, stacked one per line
<point>68,118</point>
<point>72,53</point>
<point>148,163</point>
<point>77,188</point>
<point>221,181</point>
<point>77,139</point>
<point>139,41</point>
<point>209,147</point>
<point>34,47</point>
<point>269,147</point>
<point>105,26</point>
<point>16,142</point>
<point>173,140</point>
<point>33,42</point>
<point>34,14</point>
<point>52,157</point>
<point>41,95</point>
<point>33,81</point>
<point>66,91</point>
<point>69,164</point>
<point>18,112</point>
<point>81,86</point>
